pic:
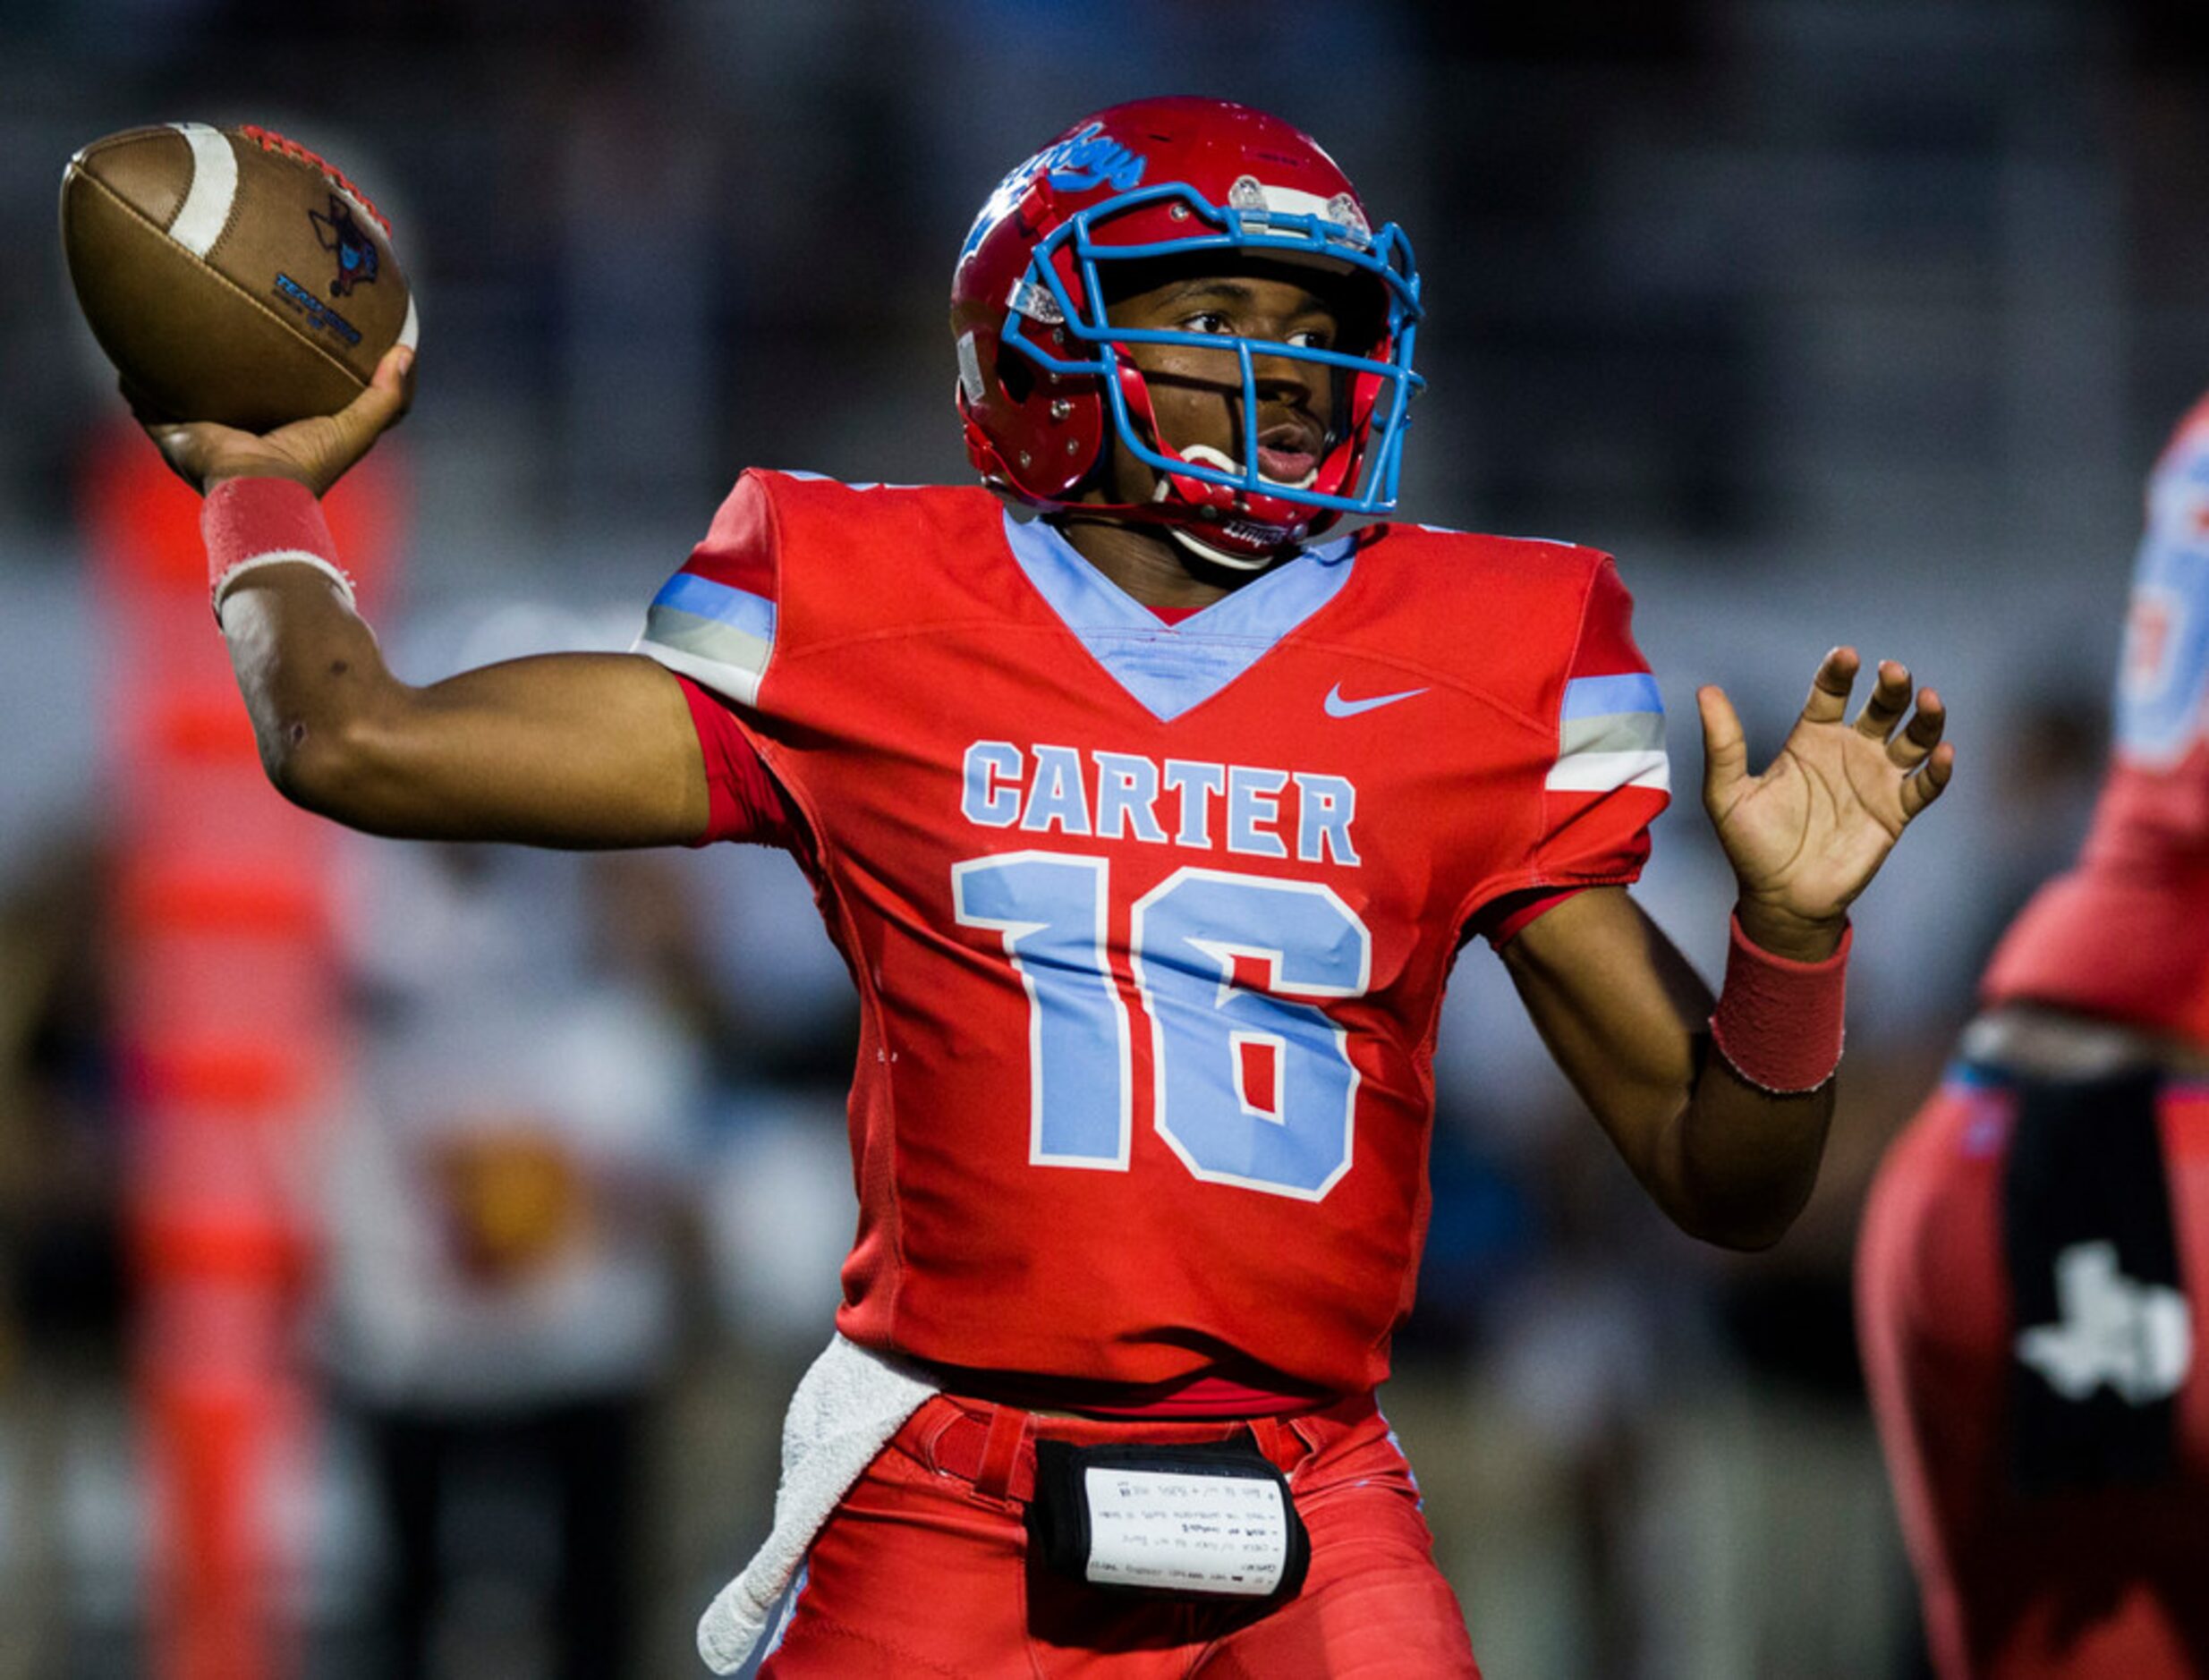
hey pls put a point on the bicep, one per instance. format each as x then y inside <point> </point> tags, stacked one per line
<point>562,750</point>
<point>1619,1008</point>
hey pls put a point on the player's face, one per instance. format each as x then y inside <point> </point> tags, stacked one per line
<point>1198,391</point>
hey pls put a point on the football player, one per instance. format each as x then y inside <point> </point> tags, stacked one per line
<point>2029,1277</point>
<point>1150,811</point>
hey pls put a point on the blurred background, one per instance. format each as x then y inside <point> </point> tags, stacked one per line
<point>1858,320</point>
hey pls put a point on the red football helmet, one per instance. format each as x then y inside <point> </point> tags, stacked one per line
<point>1041,371</point>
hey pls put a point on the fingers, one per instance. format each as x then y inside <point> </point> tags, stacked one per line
<point>382,404</point>
<point>1916,743</point>
<point>180,448</point>
<point>1919,744</point>
<point>1919,748</point>
<point>1829,688</point>
<point>1725,748</point>
<point>183,445</point>
<point>398,368</point>
<point>1909,749</point>
<point>1890,698</point>
<point>1916,748</point>
<point>329,445</point>
<point>1921,790</point>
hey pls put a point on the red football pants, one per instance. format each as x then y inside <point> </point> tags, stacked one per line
<point>2109,1582</point>
<point>924,1567</point>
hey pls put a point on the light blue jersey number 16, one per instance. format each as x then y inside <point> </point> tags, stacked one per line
<point>1185,935</point>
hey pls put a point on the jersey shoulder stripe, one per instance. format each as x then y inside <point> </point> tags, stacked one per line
<point>720,635</point>
<point>795,561</point>
<point>1628,693</point>
<point>1610,734</point>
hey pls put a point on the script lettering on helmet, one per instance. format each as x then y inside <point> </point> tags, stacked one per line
<point>1086,159</point>
<point>1083,160</point>
<point>1248,810</point>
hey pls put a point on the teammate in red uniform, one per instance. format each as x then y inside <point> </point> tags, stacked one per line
<point>2033,1251</point>
<point>1150,825</point>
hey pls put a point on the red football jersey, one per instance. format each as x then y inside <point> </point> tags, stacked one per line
<point>2125,933</point>
<point>1150,922</point>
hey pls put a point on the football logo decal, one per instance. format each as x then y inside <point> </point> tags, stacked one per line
<point>342,236</point>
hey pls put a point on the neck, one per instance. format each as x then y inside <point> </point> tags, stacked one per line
<point>1143,562</point>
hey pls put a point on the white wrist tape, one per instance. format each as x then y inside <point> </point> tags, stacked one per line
<point>283,556</point>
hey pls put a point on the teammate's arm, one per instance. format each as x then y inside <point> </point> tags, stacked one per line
<point>569,750</point>
<point>1629,1020</point>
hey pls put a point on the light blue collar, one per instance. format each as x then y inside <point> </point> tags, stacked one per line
<point>1170,668</point>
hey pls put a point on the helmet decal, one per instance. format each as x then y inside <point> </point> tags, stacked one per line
<point>1082,162</point>
<point>1087,159</point>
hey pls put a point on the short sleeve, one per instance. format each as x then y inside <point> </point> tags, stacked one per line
<point>743,800</point>
<point>1611,777</point>
<point>714,621</point>
<point>1501,919</point>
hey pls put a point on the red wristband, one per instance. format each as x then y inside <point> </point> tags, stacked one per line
<point>253,523</point>
<point>1778,1023</point>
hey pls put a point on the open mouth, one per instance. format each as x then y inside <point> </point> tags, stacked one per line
<point>1289,452</point>
<point>1289,461</point>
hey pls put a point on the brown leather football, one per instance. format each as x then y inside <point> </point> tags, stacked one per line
<point>230,274</point>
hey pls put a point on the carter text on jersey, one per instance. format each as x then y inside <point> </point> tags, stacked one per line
<point>1246,809</point>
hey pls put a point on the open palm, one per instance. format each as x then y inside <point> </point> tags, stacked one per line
<point>1807,835</point>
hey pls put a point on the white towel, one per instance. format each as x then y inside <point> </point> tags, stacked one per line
<point>845,1408</point>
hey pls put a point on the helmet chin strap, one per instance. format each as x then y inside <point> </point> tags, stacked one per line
<point>1192,538</point>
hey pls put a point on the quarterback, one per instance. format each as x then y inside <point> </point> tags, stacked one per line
<point>1150,790</point>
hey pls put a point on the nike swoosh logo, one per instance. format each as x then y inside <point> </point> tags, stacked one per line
<point>1338,707</point>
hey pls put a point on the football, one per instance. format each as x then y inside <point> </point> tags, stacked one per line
<point>230,275</point>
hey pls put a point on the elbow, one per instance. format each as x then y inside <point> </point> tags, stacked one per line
<point>1745,1238</point>
<point>323,767</point>
<point>1745,1229</point>
<point>328,717</point>
<point>1740,1182</point>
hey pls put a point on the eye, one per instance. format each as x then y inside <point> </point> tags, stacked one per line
<point>1207,321</point>
<point>1316,338</point>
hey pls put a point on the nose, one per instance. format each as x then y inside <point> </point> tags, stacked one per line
<point>1291,380</point>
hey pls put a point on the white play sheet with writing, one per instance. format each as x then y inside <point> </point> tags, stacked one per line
<point>1184,1532</point>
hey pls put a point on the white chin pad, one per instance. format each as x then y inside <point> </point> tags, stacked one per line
<point>1202,455</point>
<point>1205,455</point>
<point>1192,538</point>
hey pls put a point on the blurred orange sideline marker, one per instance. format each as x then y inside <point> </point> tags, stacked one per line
<point>233,1049</point>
